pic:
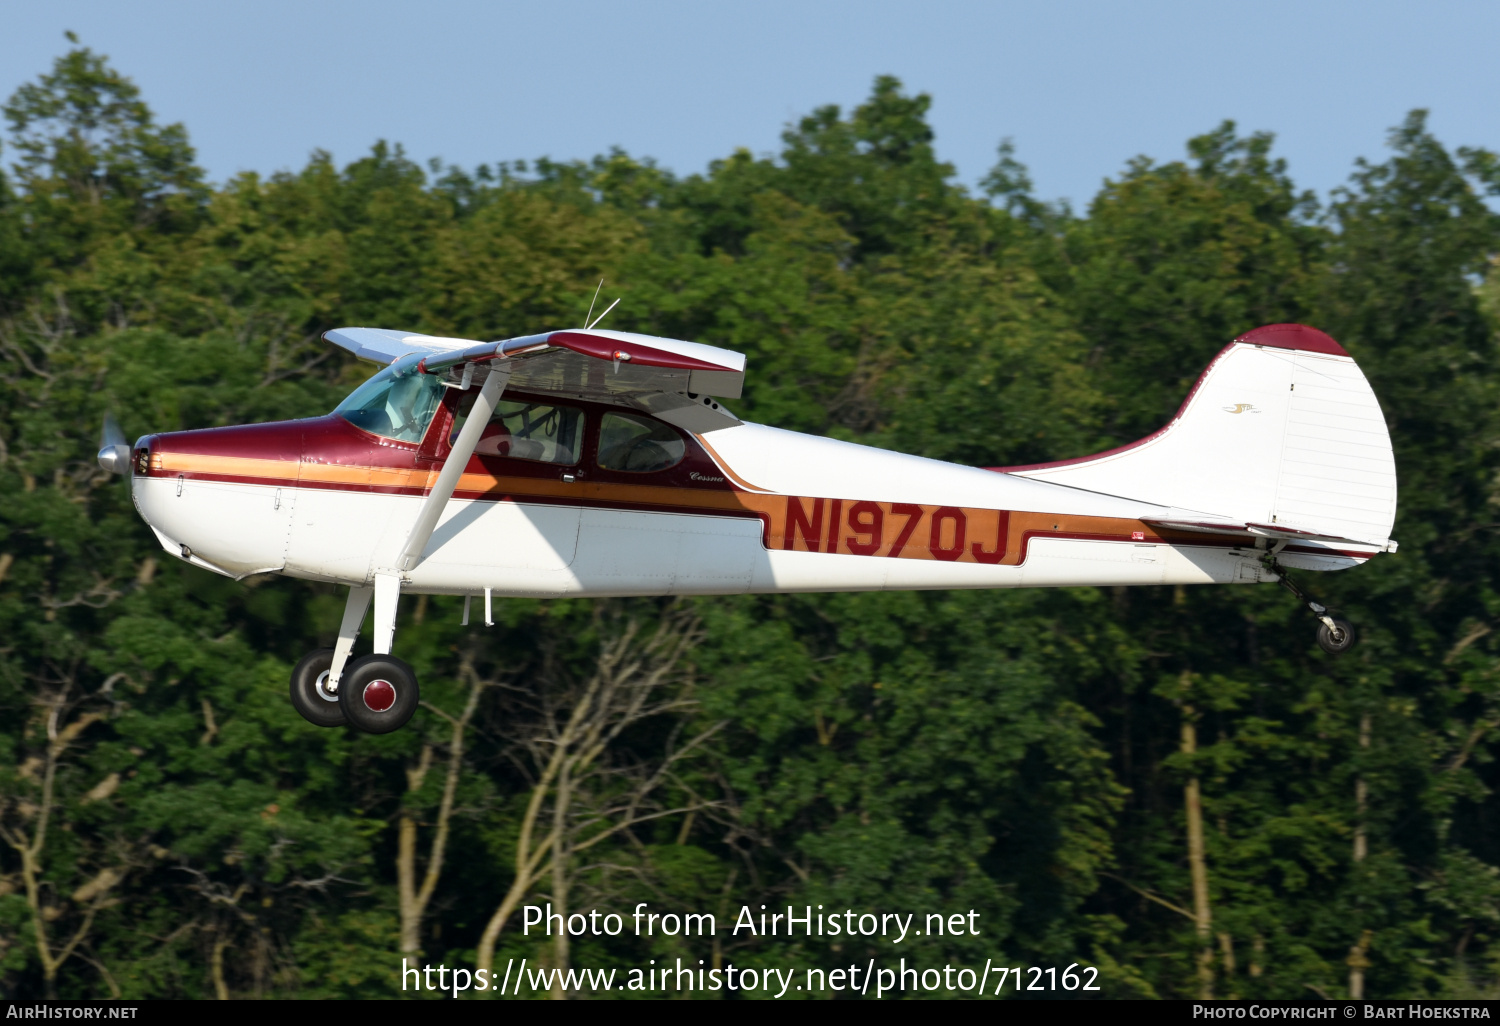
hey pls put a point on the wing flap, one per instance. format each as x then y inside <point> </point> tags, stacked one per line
<point>698,414</point>
<point>709,370</point>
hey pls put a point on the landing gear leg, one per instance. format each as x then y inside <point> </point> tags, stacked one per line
<point>379,693</point>
<point>315,680</point>
<point>1334,635</point>
<point>387,592</point>
<point>354,616</point>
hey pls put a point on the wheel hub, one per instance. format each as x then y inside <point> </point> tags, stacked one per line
<point>379,695</point>
<point>325,692</point>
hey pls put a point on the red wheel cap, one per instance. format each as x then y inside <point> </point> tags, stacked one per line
<point>379,695</point>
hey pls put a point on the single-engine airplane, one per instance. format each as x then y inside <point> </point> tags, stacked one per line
<point>589,463</point>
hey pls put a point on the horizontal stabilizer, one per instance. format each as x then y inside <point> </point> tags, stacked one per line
<point>1269,531</point>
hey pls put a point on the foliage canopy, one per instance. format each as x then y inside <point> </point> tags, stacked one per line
<point>172,828</point>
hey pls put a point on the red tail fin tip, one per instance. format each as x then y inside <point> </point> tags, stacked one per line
<point>1293,336</point>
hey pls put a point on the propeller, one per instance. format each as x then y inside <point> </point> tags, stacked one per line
<point>114,450</point>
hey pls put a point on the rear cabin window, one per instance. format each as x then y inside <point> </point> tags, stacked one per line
<point>638,444</point>
<point>526,431</point>
<point>396,403</point>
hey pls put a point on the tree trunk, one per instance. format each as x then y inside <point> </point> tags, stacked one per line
<point>560,861</point>
<point>567,742</point>
<point>216,967</point>
<point>30,848</point>
<point>530,864</point>
<point>406,862</point>
<point>1358,963</point>
<point>414,899</point>
<point>1202,912</point>
<point>1226,952</point>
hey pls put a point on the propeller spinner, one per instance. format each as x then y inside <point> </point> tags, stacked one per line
<point>114,450</point>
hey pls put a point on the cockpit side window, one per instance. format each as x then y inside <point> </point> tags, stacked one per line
<point>396,403</point>
<point>525,430</point>
<point>638,444</point>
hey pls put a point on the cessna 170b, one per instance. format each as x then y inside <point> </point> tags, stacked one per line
<point>590,463</point>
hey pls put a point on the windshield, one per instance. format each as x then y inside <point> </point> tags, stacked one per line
<point>396,403</point>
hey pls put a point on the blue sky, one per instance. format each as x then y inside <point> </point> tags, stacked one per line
<point>1080,86</point>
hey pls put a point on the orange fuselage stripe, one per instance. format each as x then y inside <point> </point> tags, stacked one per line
<point>791,523</point>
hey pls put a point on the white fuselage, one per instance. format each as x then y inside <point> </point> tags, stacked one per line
<point>556,546</point>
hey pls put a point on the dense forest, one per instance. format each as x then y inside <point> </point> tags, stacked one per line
<point>1173,785</point>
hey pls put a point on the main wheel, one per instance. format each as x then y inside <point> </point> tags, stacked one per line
<point>378,693</point>
<point>310,695</point>
<point>1339,639</point>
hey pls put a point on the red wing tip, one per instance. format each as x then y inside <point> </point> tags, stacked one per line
<point>1293,336</point>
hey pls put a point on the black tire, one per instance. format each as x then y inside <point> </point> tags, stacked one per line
<point>378,693</point>
<point>309,697</point>
<point>1340,639</point>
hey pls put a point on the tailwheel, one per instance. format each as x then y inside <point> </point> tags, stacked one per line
<point>311,695</point>
<point>1337,638</point>
<point>378,693</point>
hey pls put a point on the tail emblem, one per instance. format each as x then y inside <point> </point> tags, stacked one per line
<point>1241,408</point>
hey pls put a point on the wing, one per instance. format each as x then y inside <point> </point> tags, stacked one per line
<point>381,345</point>
<point>670,378</point>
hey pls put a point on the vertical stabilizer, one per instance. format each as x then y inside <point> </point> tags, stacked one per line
<point>1281,429</point>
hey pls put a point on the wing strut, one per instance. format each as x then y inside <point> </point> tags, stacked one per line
<point>453,467</point>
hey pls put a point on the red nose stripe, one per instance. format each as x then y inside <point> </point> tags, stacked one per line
<point>379,695</point>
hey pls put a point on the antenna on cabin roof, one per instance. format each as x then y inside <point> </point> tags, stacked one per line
<point>593,301</point>
<point>605,313</point>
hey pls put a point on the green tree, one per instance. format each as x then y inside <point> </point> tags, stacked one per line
<point>1175,260</point>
